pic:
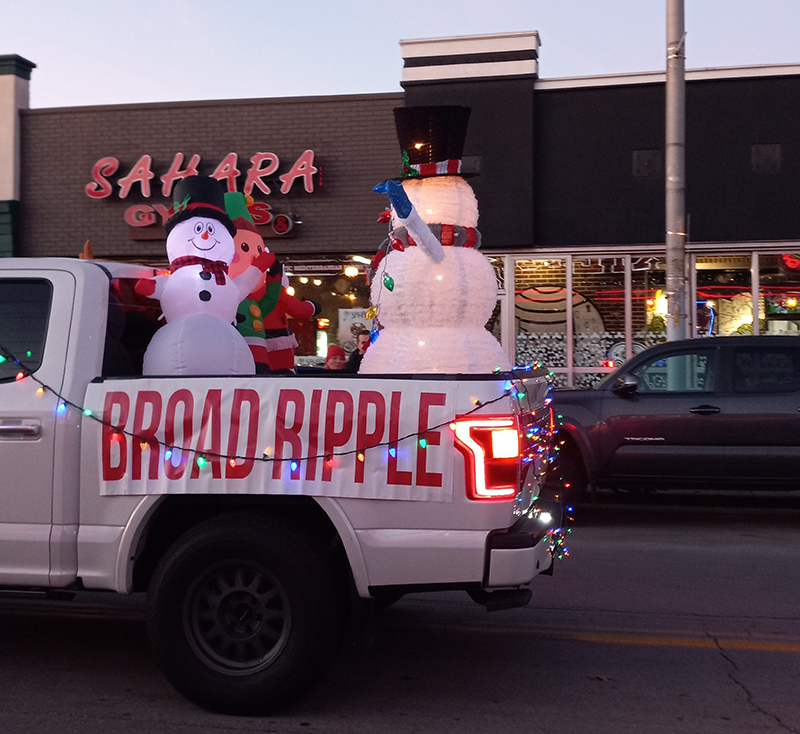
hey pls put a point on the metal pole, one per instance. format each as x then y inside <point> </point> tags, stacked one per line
<point>676,172</point>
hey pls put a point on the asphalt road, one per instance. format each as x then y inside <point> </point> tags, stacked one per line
<point>678,617</point>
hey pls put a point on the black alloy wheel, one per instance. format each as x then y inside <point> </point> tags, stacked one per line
<point>243,611</point>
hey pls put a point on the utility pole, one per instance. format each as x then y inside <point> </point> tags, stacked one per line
<point>676,172</point>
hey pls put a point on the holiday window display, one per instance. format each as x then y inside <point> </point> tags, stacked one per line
<point>431,290</point>
<point>199,298</point>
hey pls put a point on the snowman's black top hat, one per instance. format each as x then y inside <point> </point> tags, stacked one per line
<point>432,139</point>
<point>199,196</point>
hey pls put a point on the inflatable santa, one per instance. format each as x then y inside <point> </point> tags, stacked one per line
<point>199,298</point>
<point>432,290</point>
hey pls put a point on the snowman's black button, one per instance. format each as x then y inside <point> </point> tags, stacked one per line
<point>205,296</point>
<point>240,318</point>
<point>205,276</point>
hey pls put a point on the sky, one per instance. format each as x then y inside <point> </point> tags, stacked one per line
<point>94,52</point>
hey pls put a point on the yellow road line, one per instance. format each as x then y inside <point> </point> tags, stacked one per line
<point>564,633</point>
<point>763,646</point>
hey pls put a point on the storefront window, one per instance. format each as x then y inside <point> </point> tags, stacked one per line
<point>495,323</point>
<point>340,288</point>
<point>540,314</point>
<point>779,301</point>
<point>648,302</point>
<point>724,299</point>
<point>598,317</point>
<point>618,306</point>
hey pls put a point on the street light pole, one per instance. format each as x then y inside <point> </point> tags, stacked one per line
<point>676,172</point>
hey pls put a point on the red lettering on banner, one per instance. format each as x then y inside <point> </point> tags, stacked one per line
<point>313,434</point>
<point>227,169</point>
<point>261,212</point>
<point>101,188</point>
<point>146,434</point>
<point>433,438</point>
<point>334,438</point>
<point>394,475</point>
<point>302,168</point>
<point>256,174</point>
<point>240,397</point>
<point>140,215</point>
<point>212,419</point>
<point>179,397</point>
<point>288,434</point>
<point>140,172</point>
<point>113,436</point>
<point>176,174</point>
<point>364,437</point>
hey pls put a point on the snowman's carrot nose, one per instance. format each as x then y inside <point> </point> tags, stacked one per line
<point>205,234</point>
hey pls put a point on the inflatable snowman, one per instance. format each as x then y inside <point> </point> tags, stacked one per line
<point>199,299</point>
<point>432,290</point>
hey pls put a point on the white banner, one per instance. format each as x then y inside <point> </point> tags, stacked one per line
<point>329,437</point>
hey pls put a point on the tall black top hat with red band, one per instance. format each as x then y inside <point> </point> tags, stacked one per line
<point>199,196</point>
<point>432,139</point>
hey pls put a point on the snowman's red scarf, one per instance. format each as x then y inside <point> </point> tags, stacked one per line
<point>450,235</point>
<point>217,268</point>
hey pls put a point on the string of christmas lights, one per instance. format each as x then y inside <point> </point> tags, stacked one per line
<point>63,404</point>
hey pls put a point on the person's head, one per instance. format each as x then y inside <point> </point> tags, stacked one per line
<point>335,359</point>
<point>362,341</point>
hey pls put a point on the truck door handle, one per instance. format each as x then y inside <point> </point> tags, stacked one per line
<point>20,431</point>
<point>705,410</point>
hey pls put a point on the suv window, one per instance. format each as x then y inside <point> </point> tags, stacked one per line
<point>677,373</point>
<point>24,313</point>
<point>765,370</point>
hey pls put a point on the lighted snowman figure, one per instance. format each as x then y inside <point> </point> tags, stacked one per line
<point>199,299</point>
<point>432,289</point>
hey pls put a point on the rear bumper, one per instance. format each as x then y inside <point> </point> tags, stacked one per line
<point>517,555</point>
<point>425,560</point>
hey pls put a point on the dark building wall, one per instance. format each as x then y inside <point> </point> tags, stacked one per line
<point>500,133</point>
<point>586,192</point>
<point>353,138</point>
<point>730,194</point>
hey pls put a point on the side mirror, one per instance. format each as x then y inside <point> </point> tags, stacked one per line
<point>626,385</point>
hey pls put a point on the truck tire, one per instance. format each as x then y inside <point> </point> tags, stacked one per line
<point>242,612</point>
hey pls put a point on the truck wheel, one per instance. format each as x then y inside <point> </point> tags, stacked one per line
<point>242,612</point>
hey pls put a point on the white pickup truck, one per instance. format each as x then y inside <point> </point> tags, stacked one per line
<point>256,512</point>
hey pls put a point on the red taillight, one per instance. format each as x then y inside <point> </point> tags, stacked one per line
<point>490,445</point>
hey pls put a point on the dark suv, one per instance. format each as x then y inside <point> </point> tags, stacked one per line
<point>701,413</point>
